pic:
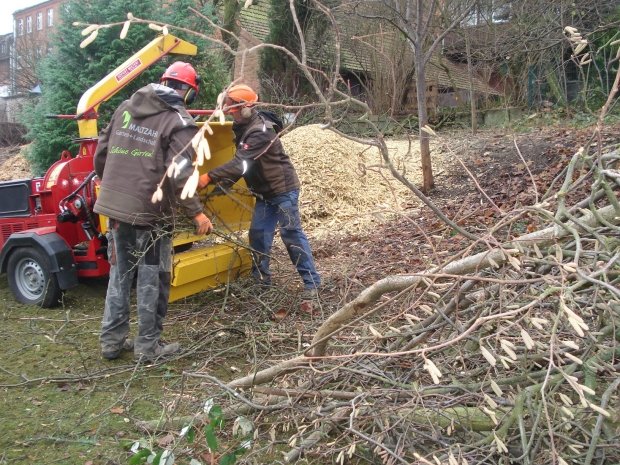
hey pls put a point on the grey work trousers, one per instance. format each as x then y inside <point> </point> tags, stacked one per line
<point>146,250</point>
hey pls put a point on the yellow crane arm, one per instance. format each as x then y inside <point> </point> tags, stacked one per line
<point>121,76</point>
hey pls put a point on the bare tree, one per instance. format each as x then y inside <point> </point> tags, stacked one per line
<point>28,50</point>
<point>424,24</point>
<point>525,43</point>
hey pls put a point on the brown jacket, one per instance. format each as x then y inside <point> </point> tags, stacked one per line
<point>134,152</point>
<point>259,159</point>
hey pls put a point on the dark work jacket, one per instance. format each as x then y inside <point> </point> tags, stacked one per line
<point>134,152</point>
<point>259,159</point>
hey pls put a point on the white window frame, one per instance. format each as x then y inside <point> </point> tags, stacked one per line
<point>28,24</point>
<point>39,20</point>
<point>39,51</point>
<point>50,17</point>
<point>20,27</point>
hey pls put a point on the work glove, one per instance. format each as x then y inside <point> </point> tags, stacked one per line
<point>203,224</point>
<point>204,180</point>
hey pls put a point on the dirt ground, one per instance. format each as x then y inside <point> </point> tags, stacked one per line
<point>63,403</point>
<point>511,168</point>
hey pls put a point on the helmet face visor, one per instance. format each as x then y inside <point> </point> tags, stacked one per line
<point>232,106</point>
<point>173,84</point>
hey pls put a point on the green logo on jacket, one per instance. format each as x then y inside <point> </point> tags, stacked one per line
<point>126,118</point>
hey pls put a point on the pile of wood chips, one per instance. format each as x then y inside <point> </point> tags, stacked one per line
<point>342,185</point>
<point>15,167</point>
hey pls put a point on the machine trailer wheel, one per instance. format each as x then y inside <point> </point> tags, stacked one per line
<point>31,280</point>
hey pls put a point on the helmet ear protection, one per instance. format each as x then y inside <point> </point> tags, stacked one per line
<point>192,93</point>
<point>246,112</point>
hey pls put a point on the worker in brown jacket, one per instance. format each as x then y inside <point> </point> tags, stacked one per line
<point>269,173</point>
<point>133,153</point>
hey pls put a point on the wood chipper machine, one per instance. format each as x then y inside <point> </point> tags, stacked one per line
<point>50,236</point>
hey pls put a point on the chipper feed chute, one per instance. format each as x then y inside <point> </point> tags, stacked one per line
<point>212,265</point>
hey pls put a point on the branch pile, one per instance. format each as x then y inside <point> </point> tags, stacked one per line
<point>506,352</point>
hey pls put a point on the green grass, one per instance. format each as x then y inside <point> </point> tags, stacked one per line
<point>62,403</point>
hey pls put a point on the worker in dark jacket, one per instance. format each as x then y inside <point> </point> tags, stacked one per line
<point>133,154</point>
<point>271,176</point>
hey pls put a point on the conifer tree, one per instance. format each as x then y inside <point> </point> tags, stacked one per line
<point>68,71</point>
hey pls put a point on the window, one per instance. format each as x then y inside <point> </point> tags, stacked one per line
<point>39,51</point>
<point>39,21</point>
<point>28,58</point>
<point>489,11</point>
<point>50,17</point>
<point>50,49</point>
<point>29,24</point>
<point>2,48</point>
<point>20,27</point>
<point>18,61</point>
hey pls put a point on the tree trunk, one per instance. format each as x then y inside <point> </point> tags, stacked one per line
<point>231,8</point>
<point>425,149</point>
<point>472,91</point>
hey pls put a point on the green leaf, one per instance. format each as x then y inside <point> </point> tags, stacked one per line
<point>228,459</point>
<point>218,423</point>
<point>215,412</point>
<point>140,457</point>
<point>211,439</point>
<point>157,458</point>
<point>190,435</point>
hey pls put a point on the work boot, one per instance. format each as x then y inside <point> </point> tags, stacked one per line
<point>161,351</point>
<point>310,294</point>
<point>260,287</point>
<point>113,354</point>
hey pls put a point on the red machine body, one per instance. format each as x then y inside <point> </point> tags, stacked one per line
<point>49,234</point>
<point>36,213</point>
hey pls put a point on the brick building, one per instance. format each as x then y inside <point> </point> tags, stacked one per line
<point>6,43</point>
<point>33,27</point>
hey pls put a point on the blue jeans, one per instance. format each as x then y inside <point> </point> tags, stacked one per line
<point>283,210</point>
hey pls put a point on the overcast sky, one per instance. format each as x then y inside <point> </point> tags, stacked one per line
<point>7,7</point>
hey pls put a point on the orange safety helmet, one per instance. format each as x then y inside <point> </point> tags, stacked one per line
<point>181,75</point>
<point>239,94</point>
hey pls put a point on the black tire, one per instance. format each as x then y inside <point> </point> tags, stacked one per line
<point>31,280</point>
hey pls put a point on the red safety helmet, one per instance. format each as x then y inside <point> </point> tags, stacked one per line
<point>240,94</point>
<point>181,75</point>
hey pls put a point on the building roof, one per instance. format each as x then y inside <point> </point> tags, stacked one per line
<point>357,56</point>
